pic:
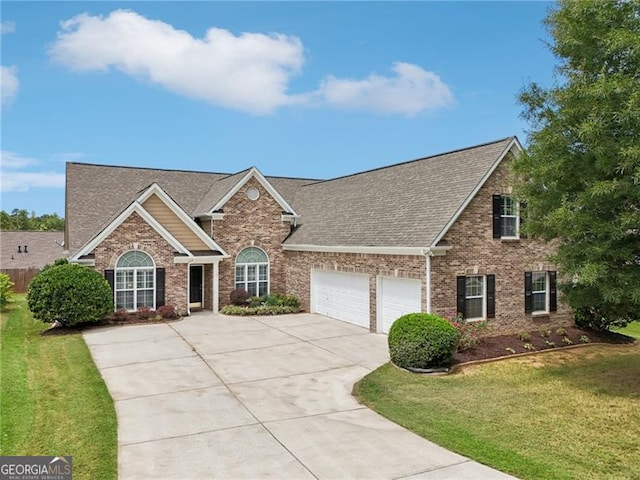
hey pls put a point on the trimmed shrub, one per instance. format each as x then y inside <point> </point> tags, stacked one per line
<point>167,312</point>
<point>278,299</point>
<point>69,294</point>
<point>239,296</point>
<point>6,289</point>
<point>259,310</point>
<point>144,313</point>
<point>422,340</point>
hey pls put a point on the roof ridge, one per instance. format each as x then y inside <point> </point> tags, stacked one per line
<point>225,174</point>
<point>149,168</point>
<point>406,162</point>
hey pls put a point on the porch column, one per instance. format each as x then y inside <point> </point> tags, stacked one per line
<point>214,286</point>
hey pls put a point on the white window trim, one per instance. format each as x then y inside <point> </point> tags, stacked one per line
<point>516,216</point>
<point>546,293</point>
<point>484,298</point>
<point>245,266</point>
<point>135,281</point>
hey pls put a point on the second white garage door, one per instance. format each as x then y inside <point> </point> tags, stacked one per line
<point>344,296</point>
<point>396,297</point>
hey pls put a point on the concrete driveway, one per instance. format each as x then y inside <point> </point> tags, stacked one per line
<point>214,396</point>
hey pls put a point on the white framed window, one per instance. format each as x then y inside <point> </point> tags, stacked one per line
<point>539,292</point>
<point>252,271</point>
<point>134,281</point>
<point>474,300</point>
<point>509,219</point>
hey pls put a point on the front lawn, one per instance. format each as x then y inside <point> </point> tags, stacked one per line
<point>632,330</point>
<point>572,414</point>
<point>53,399</point>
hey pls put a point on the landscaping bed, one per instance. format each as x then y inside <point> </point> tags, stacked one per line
<point>120,317</point>
<point>536,340</point>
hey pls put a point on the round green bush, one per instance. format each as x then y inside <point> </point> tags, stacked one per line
<point>69,294</point>
<point>422,340</point>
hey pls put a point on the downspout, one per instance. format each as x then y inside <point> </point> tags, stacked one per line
<point>428,254</point>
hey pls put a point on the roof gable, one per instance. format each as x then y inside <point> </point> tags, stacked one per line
<point>403,205</point>
<point>137,207</point>
<point>96,194</point>
<point>515,147</point>
<point>226,188</point>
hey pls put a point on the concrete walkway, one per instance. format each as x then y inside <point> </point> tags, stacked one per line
<point>213,396</point>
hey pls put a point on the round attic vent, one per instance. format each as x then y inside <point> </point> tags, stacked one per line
<point>253,193</point>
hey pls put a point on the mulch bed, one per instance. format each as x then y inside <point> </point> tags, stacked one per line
<point>544,339</point>
<point>130,319</point>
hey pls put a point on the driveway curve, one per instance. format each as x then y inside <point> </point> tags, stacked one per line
<point>214,396</point>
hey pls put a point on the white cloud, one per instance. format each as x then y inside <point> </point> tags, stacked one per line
<point>9,83</point>
<point>249,72</point>
<point>24,181</point>
<point>13,161</point>
<point>14,179</point>
<point>7,27</point>
<point>410,91</point>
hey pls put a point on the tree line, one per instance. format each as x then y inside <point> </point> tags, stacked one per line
<point>20,219</point>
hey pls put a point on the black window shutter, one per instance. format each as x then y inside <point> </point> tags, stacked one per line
<point>523,218</point>
<point>461,286</point>
<point>491,296</point>
<point>553,296</point>
<point>159,287</point>
<point>528,287</point>
<point>497,221</point>
<point>109,276</point>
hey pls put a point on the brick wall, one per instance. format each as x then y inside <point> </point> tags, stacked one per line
<point>249,223</point>
<point>299,264</point>
<point>136,230</point>
<point>475,250</point>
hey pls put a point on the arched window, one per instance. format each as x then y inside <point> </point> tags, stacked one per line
<point>252,271</point>
<point>135,281</point>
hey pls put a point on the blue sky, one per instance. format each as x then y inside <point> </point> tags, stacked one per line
<point>303,89</point>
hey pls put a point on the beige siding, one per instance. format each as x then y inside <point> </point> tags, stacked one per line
<point>173,224</point>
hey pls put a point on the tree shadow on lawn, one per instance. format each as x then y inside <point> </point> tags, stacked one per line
<point>605,370</point>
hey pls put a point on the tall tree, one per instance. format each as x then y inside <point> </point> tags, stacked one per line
<point>580,175</point>
<point>19,219</point>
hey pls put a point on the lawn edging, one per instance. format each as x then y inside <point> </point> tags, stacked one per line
<point>459,366</point>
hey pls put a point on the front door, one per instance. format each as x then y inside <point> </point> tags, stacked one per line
<point>195,286</point>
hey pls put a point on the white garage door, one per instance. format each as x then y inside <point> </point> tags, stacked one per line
<point>344,296</point>
<point>396,297</point>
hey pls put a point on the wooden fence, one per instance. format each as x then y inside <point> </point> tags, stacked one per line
<point>20,277</point>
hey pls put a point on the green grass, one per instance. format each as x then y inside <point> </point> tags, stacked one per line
<point>53,399</point>
<point>572,414</point>
<point>632,330</point>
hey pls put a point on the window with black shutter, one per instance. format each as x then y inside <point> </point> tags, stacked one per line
<point>540,294</point>
<point>475,296</point>
<point>159,287</point>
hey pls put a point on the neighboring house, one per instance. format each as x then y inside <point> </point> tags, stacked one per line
<point>24,253</point>
<point>439,234</point>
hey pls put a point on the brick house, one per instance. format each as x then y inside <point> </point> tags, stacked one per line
<point>440,234</point>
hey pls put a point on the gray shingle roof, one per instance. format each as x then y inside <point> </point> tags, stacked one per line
<point>97,193</point>
<point>217,191</point>
<point>405,205</point>
<point>43,248</point>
